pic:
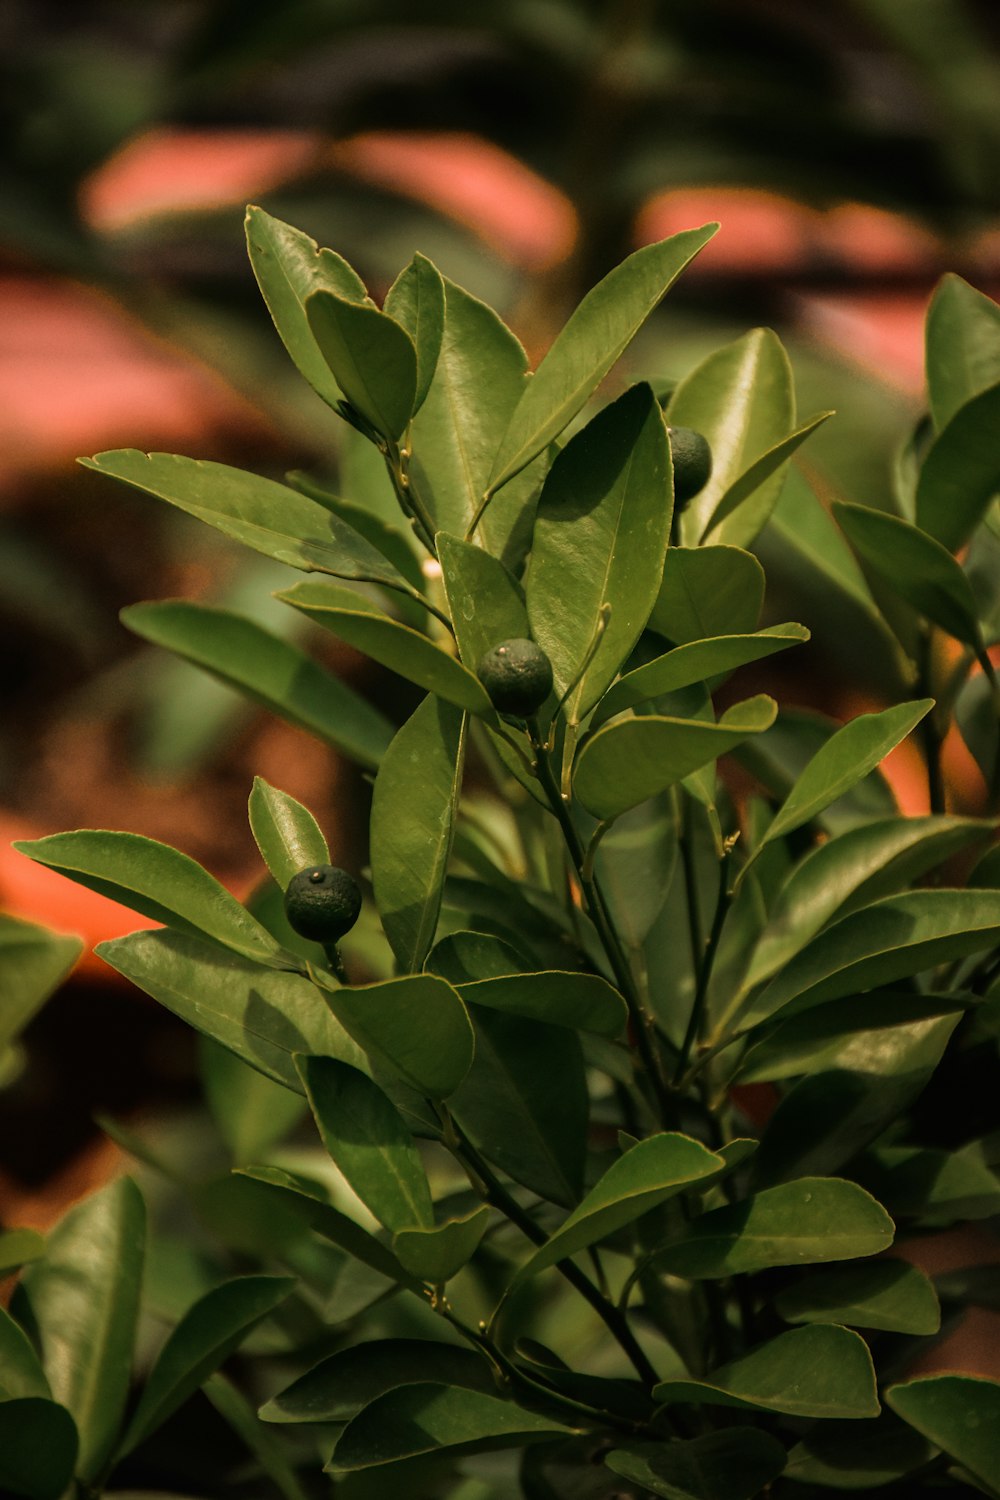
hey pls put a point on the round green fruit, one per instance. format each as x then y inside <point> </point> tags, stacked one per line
<point>322,903</point>
<point>692,463</point>
<point>518,677</point>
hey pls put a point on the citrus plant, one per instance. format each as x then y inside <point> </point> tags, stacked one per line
<point>615,1083</point>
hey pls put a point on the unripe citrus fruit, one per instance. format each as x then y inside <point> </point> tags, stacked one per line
<point>518,677</point>
<point>692,463</point>
<point>322,903</point>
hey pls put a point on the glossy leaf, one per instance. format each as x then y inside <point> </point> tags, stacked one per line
<point>708,591</point>
<point>485,603</point>
<point>21,1373</point>
<point>438,1253</point>
<point>157,881</point>
<point>266,516</point>
<point>427,1418</point>
<point>593,339</point>
<point>84,1297</point>
<point>267,670</point>
<point>914,566</point>
<point>508,1106</point>
<point>286,833</point>
<point>19,1247</point>
<point>958,1413</point>
<point>38,1448</point>
<point>289,266</point>
<point>961,473</point>
<point>694,662</point>
<point>891,939</point>
<point>416,302</point>
<point>735,1464</point>
<point>844,1457</point>
<point>481,373</point>
<point>202,1341</point>
<point>342,1385</point>
<point>962,346</point>
<point>741,399</point>
<point>370,1142</point>
<point>354,620</point>
<point>847,756</point>
<point>252,1111</point>
<point>848,871</point>
<point>415,1025</point>
<point>603,520</point>
<point>466,957</point>
<point>584,1002</point>
<point>750,481</point>
<point>412,822</point>
<point>634,865</point>
<point>386,537</point>
<point>33,963</point>
<point>815,547</point>
<point>372,358</point>
<point>237,1412</point>
<point>648,1174</point>
<point>261,1015</point>
<point>819,1371</point>
<point>888,1294</point>
<point>811,1220</point>
<point>627,762</point>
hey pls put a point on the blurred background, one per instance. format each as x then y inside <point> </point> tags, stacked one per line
<point>850,151</point>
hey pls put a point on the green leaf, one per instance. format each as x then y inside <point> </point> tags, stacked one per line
<point>388,539</point>
<point>888,1294</point>
<point>21,1373</point>
<point>915,567</point>
<point>18,1247</point>
<point>695,662</point>
<point>891,939</point>
<point>84,1297</point>
<point>38,1447</point>
<point>962,346</point>
<point>819,1371</point>
<point>286,833</point>
<point>847,756</point>
<point>465,957</point>
<point>372,358</point>
<point>341,1386</point>
<point>439,1253</point>
<point>33,963</point>
<point>708,591</point>
<point>267,670</point>
<point>961,473</point>
<point>732,1465</point>
<point>959,1413</point>
<point>841,1457</point>
<point>933,1187</point>
<point>481,373</point>
<point>593,339</point>
<point>485,603</point>
<point>751,480</point>
<point>266,516</point>
<point>252,1112</point>
<point>370,1142</point>
<point>289,266</point>
<point>851,870</point>
<point>648,1174</point>
<point>822,561</point>
<point>202,1341</point>
<point>631,760</point>
<point>159,882</point>
<point>804,1222</point>
<point>584,1002</point>
<point>234,1408</point>
<point>308,1200</point>
<point>261,1015</point>
<point>635,864</point>
<point>741,399</point>
<point>524,1103</point>
<point>604,520</point>
<point>412,824</point>
<point>354,620</point>
<point>415,1025</point>
<point>416,302</point>
<point>427,1418</point>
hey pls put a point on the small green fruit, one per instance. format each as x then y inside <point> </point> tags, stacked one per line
<point>692,463</point>
<point>518,677</point>
<point>322,903</point>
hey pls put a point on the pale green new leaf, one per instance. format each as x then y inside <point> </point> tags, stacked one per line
<point>372,358</point>
<point>286,833</point>
<point>416,302</point>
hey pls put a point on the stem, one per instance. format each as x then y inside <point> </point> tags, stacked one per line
<point>335,961</point>
<point>929,732</point>
<point>409,501</point>
<point>704,971</point>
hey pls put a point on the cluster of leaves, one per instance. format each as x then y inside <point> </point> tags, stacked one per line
<point>536,1243</point>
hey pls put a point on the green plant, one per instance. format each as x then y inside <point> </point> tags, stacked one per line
<point>541,1246</point>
